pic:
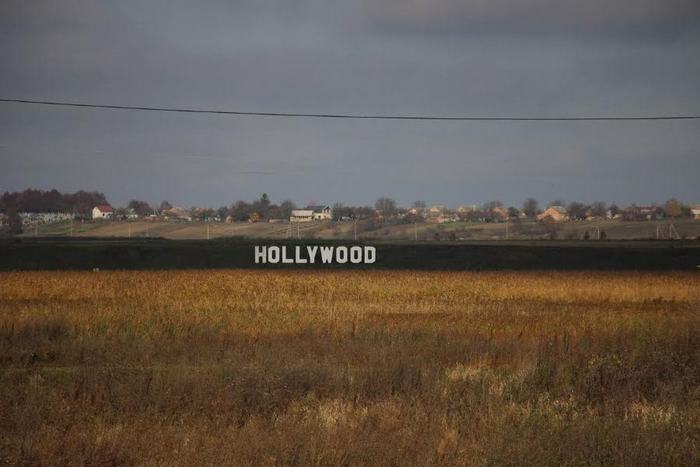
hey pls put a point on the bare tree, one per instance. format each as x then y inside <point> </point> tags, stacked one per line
<point>577,210</point>
<point>14,221</point>
<point>286,208</point>
<point>141,208</point>
<point>386,206</point>
<point>489,205</point>
<point>599,209</point>
<point>531,207</point>
<point>673,208</point>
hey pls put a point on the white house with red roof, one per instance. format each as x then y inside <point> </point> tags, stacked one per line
<point>102,211</point>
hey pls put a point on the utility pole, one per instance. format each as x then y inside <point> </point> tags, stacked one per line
<point>354,227</point>
<point>415,231</point>
<point>71,226</point>
<point>129,224</point>
<point>506,230</point>
<point>207,230</point>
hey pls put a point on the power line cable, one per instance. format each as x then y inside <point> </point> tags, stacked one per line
<point>347,116</point>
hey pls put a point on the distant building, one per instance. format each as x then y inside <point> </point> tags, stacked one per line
<point>649,212</point>
<point>445,218</point>
<point>465,208</point>
<point>695,210</point>
<point>130,214</point>
<point>555,213</point>
<point>176,213</point>
<point>102,211</point>
<point>311,213</point>
<point>437,210</point>
<point>499,213</point>
<point>31,218</point>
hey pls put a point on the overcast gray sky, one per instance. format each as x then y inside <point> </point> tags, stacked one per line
<point>427,57</point>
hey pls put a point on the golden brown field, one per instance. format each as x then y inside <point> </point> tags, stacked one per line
<point>349,368</point>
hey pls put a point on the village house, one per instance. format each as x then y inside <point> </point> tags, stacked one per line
<point>311,213</point>
<point>437,210</point>
<point>499,214</point>
<point>176,213</point>
<point>466,208</point>
<point>30,218</point>
<point>445,218</point>
<point>102,211</point>
<point>128,214</point>
<point>695,210</point>
<point>649,212</point>
<point>555,213</point>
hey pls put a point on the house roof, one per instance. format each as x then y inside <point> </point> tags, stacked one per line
<point>104,208</point>
<point>302,212</point>
<point>316,208</point>
<point>559,209</point>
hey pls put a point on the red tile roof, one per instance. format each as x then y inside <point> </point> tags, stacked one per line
<point>104,207</point>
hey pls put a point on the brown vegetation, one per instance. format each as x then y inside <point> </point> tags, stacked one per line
<point>349,368</point>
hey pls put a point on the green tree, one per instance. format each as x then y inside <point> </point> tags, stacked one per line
<point>262,206</point>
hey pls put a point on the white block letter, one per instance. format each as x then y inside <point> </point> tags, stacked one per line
<point>260,254</point>
<point>341,254</point>
<point>326,254</point>
<point>273,254</point>
<point>370,254</point>
<point>355,254</point>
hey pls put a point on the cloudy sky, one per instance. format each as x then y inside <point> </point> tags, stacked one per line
<point>411,57</point>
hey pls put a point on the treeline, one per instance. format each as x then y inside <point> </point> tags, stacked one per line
<point>262,208</point>
<point>79,203</point>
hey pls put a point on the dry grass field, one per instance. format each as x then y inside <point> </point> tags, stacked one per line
<point>686,228</point>
<point>349,368</point>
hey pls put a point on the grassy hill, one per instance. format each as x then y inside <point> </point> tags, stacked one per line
<point>618,230</point>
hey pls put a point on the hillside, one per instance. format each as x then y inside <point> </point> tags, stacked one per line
<point>617,230</point>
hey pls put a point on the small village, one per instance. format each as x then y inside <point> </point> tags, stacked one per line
<point>34,210</point>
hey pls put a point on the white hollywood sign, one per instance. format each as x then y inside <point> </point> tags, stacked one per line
<point>313,254</point>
